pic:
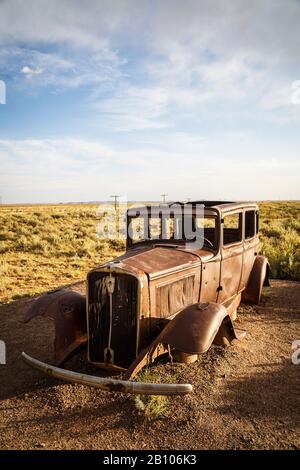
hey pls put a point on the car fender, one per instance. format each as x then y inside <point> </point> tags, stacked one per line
<point>258,278</point>
<point>68,311</point>
<point>192,331</point>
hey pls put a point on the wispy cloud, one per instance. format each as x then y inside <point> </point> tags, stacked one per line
<point>61,70</point>
<point>78,169</point>
<point>133,108</point>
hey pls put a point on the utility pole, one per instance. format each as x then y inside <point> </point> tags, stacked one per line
<point>116,198</point>
<point>164,197</point>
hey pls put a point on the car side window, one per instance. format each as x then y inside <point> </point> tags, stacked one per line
<point>232,228</point>
<point>249,224</point>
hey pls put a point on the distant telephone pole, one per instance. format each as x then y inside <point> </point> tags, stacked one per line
<point>164,197</point>
<point>116,198</point>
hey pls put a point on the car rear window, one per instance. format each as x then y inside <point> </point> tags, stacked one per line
<point>249,224</point>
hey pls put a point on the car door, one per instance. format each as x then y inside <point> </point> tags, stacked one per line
<point>251,244</point>
<point>231,254</point>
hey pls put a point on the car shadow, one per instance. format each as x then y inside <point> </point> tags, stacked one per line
<point>265,394</point>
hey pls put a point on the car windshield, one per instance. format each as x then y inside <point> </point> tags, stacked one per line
<point>171,229</point>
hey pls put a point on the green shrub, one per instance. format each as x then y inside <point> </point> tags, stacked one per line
<point>152,406</point>
<point>280,238</point>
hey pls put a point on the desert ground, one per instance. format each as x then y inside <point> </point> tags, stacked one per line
<point>246,396</point>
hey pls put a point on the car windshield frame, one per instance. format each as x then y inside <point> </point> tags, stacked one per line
<point>211,215</point>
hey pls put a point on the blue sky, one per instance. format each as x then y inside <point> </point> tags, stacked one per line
<point>196,99</point>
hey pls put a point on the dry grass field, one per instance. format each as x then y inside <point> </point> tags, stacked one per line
<point>42,247</point>
<point>46,246</point>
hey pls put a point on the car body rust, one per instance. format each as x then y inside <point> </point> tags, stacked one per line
<point>163,295</point>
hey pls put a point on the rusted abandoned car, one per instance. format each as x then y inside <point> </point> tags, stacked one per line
<point>164,295</point>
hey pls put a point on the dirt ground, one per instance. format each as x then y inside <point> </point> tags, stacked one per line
<point>245,397</point>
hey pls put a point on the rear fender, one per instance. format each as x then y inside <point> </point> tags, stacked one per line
<point>259,277</point>
<point>67,310</point>
<point>192,331</point>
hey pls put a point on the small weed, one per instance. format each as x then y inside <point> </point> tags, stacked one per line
<point>152,406</point>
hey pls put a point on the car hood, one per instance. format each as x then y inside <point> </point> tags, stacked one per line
<point>160,260</point>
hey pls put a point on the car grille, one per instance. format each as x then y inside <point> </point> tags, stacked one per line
<point>124,318</point>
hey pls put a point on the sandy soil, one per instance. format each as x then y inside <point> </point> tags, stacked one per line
<point>246,396</point>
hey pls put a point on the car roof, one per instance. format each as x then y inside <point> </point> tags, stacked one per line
<point>219,206</point>
<point>223,206</point>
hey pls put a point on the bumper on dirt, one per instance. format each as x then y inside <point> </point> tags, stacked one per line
<point>108,384</point>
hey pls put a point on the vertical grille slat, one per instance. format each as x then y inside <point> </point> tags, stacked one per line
<point>124,323</point>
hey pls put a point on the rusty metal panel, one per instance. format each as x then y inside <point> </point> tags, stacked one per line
<point>227,333</point>
<point>194,329</point>
<point>173,296</point>
<point>231,271</point>
<point>250,252</point>
<point>210,280</point>
<point>170,279</point>
<point>258,278</point>
<point>232,305</point>
<point>67,310</point>
<point>160,260</point>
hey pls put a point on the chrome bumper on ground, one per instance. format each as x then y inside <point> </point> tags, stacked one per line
<point>108,384</point>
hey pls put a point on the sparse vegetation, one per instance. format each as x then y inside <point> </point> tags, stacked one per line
<point>152,406</point>
<point>280,237</point>
<point>46,246</point>
<point>42,247</point>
